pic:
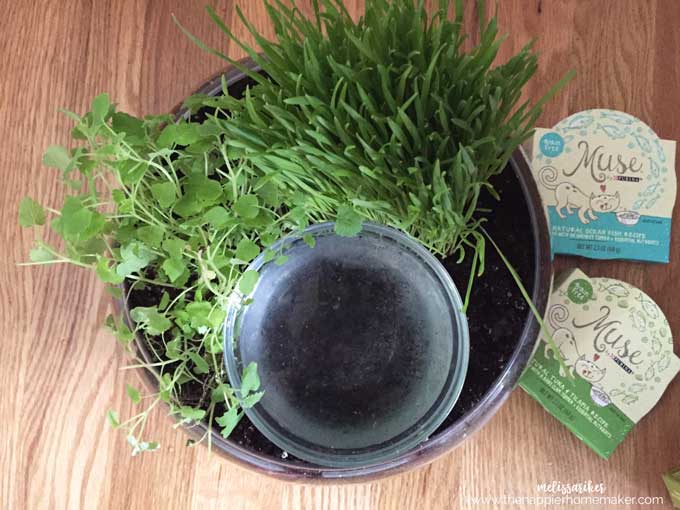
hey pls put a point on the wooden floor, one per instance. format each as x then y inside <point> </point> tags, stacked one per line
<point>60,370</point>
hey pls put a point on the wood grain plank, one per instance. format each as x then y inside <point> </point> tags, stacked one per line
<point>61,371</point>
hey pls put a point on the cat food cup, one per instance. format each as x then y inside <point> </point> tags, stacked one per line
<point>608,184</point>
<point>610,359</point>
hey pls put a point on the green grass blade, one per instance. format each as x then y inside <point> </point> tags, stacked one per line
<point>527,298</point>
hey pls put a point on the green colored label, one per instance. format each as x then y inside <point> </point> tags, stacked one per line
<point>575,403</point>
<point>617,352</point>
<point>580,291</point>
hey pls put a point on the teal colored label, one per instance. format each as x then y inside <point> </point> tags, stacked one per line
<point>610,184</point>
<point>552,145</point>
<point>601,427</point>
<point>608,238</point>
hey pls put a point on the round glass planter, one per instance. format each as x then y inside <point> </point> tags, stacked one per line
<point>524,214</point>
<point>361,345</point>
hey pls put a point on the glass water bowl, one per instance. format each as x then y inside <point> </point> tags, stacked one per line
<point>361,345</point>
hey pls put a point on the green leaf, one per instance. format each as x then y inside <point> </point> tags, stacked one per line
<point>192,413</point>
<point>251,399</point>
<point>131,127</point>
<point>75,219</point>
<point>220,393</point>
<point>247,250</point>
<point>212,343</point>
<point>135,256</point>
<point>56,156</point>
<point>165,387</point>
<point>151,446</point>
<point>202,188</point>
<point>106,272</point>
<point>250,380</point>
<point>164,193</point>
<point>269,193</point>
<point>298,215</point>
<point>41,254</point>
<point>199,193</point>
<point>228,421</point>
<point>164,302</point>
<point>131,172</point>
<point>151,319</point>
<point>167,136</point>
<point>173,349</point>
<point>247,206</point>
<point>71,115</point>
<point>133,393</point>
<point>309,240</point>
<point>100,107</point>
<point>217,216</point>
<point>187,133</point>
<point>114,291</point>
<point>248,281</point>
<point>112,416</point>
<point>119,330</point>
<point>174,247</point>
<point>200,365</point>
<point>141,446</point>
<point>269,238</point>
<point>281,260</point>
<point>204,314</point>
<point>30,213</point>
<point>348,222</point>
<point>188,206</point>
<point>174,268</point>
<point>152,235</point>
<point>180,134</point>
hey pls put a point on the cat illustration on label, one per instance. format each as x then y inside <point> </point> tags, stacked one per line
<point>565,341</point>
<point>563,337</point>
<point>588,370</point>
<point>568,197</point>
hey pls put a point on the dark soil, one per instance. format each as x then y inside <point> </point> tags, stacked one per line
<point>497,311</point>
<point>496,314</point>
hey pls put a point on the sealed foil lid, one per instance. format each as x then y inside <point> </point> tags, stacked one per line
<point>609,185</point>
<point>617,349</point>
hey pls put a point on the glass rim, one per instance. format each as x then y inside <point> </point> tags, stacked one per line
<point>426,424</point>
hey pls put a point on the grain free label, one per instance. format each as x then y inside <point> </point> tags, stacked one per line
<point>618,351</point>
<point>609,185</point>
